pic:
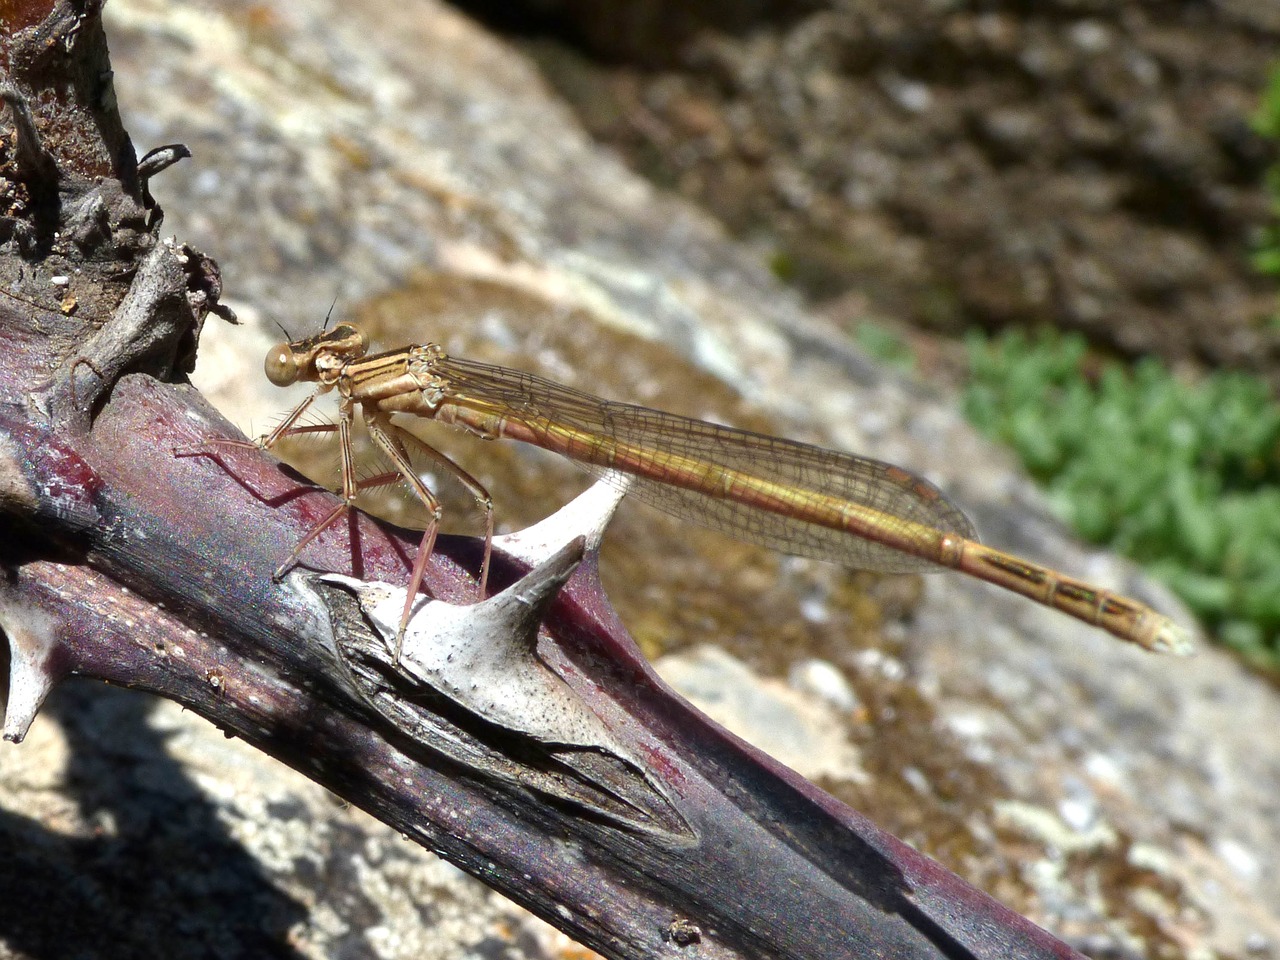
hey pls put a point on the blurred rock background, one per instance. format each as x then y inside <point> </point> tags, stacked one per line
<point>1080,163</point>
<point>474,177</point>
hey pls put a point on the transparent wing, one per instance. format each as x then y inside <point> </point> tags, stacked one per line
<point>674,443</point>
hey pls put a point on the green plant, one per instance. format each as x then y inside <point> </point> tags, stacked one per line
<point>884,344</point>
<point>1182,477</point>
<point>1266,121</point>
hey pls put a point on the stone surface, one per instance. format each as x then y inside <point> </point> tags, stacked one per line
<point>133,828</point>
<point>1086,165</point>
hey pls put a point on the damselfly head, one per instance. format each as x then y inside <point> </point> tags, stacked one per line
<point>315,358</point>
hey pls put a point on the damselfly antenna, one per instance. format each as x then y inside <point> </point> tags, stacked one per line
<point>328,316</point>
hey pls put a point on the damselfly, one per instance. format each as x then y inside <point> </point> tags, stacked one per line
<point>793,497</point>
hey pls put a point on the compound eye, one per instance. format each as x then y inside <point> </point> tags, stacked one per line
<point>280,366</point>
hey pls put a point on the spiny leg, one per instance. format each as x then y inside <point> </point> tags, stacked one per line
<point>368,483</point>
<point>392,440</point>
<point>350,486</point>
<point>474,486</point>
<point>285,428</point>
<point>380,429</point>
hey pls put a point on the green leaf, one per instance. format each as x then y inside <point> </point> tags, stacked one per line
<point>1184,476</point>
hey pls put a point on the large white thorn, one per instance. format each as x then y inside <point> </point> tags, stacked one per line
<point>586,516</point>
<point>483,656</point>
